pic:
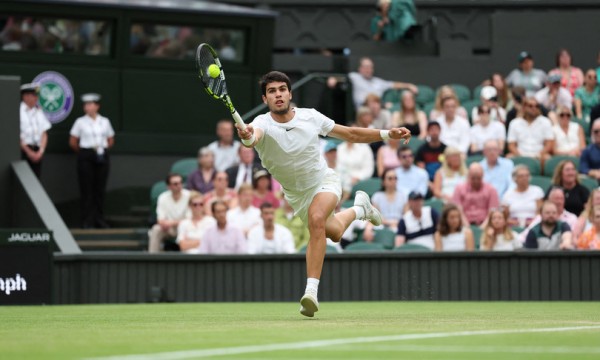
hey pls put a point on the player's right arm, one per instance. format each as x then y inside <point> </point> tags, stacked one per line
<point>248,134</point>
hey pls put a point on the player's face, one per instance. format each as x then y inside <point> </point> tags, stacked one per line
<point>278,98</point>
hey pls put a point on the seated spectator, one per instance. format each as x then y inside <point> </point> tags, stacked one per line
<point>245,170</point>
<point>390,201</point>
<point>505,100</point>
<point>269,237</point>
<point>262,190</point>
<point>222,238</point>
<point>454,128</point>
<point>225,148</point>
<point>554,95</point>
<point>220,192</point>
<point>171,209</point>
<point>566,177</point>
<point>489,99</point>
<point>245,215</point>
<point>584,221</point>
<point>496,169</point>
<point>526,75</point>
<point>531,135</point>
<point>557,197</point>
<point>418,224</point>
<point>587,96</point>
<point>571,76</point>
<point>428,155</point>
<point>475,197</point>
<point>589,162</point>
<point>382,118</point>
<point>452,234</point>
<point>452,173</point>
<point>590,239</point>
<point>550,233</point>
<point>202,179</point>
<point>518,94</point>
<point>364,83</point>
<point>355,162</point>
<point>497,234</point>
<point>364,118</point>
<point>443,92</point>
<point>569,135</point>
<point>394,19</point>
<point>410,116</point>
<point>486,130</point>
<point>330,154</point>
<point>524,200</point>
<point>410,177</point>
<point>190,232</point>
<point>285,216</point>
<point>387,156</point>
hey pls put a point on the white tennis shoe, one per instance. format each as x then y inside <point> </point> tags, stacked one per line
<point>371,213</point>
<point>309,304</point>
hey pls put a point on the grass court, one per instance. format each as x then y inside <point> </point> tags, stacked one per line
<point>342,330</point>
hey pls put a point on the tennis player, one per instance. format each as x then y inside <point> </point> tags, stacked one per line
<point>287,141</point>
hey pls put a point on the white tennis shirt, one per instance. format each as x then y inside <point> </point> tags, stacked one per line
<point>290,151</point>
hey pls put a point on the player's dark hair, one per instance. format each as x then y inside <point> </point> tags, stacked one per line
<point>274,76</point>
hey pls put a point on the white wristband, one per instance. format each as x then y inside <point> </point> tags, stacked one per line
<point>385,134</point>
<point>250,141</point>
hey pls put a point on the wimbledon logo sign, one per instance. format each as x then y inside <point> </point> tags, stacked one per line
<point>56,95</point>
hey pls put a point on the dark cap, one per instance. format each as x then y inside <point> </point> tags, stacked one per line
<point>415,195</point>
<point>524,55</point>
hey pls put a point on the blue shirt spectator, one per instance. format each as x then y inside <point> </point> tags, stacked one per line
<point>589,162</point>
<point>496,169</point>
<point>410,177</point>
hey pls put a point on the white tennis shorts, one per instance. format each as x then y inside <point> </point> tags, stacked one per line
<point>300,200</point>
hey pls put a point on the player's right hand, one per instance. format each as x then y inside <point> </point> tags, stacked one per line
<point>246,133</point>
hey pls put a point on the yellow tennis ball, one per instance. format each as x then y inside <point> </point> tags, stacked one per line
<point>214,71</point>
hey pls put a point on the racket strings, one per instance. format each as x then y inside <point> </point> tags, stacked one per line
<point>216,85</point>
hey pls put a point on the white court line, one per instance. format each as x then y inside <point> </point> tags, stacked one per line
<point>202,353</point>
<point>480,349</point>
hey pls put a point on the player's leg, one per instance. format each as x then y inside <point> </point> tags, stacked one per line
<point>362,210</point>
<point>322,206</point>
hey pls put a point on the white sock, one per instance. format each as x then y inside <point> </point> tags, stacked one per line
<point>312,284</point>
<point>360,212</point>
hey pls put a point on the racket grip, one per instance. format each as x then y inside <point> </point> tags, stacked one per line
<point>238,120</point>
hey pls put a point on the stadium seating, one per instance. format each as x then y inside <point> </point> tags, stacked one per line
<point>426,94</point>
<point>477,92</point>
<point>551,163</point>
<point>428,107</point>
<point>158,188</point>
<point>415,143</point>
<point>328,250</point>
<point>184,167</point>
<point>462,92</point>
<point>585,125</point>
<point>542,181</point>
<point>412,248</point>
<point>370,186</point>
<point>364,247</point>
<point>477,231</point>
<point>435,203</point>
<point>386,237</point>
<point>588,182</point>
<point>469,105</point>
<point>474,158</point>
<point>391,96</point>
<point>533,164</point>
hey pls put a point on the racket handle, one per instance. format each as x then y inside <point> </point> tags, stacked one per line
<point>238,120</point>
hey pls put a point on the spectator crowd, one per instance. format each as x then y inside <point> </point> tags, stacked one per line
<point>513,169</point>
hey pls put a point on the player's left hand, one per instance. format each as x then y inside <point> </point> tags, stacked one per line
<point>401,133</point>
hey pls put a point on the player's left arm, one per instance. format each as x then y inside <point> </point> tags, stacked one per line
<point>364,135</point>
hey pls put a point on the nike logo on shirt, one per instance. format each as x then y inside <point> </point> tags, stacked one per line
<point>290,129</point>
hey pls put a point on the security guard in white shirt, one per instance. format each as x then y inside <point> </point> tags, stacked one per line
<point>34,127</point>
<point>91,137</point>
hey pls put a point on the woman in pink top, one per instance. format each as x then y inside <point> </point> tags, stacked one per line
<point>387,156</point>
<point>571,76</point>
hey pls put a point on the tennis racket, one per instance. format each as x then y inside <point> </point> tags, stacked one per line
<point>215,87</point>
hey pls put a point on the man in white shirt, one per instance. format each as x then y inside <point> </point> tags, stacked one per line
<point>531,135</point>
<point>34,127</point>
<point>364,83</point>
<point>244,216</point>
<point>171,208</point>
<point>554,95</point>
<point>287,141</point>
<point>225,148</point>
<point>270,238</point>
<point>454,128</point>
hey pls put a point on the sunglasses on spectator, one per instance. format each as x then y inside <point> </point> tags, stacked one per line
<point>484,112</point>
<point>391,178</point>
<point>176,183</point>
<point>530,104</point>
<point>197,204</point>
<point>567,115</point>
<point>406,156</point>
<point>597,131</point>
